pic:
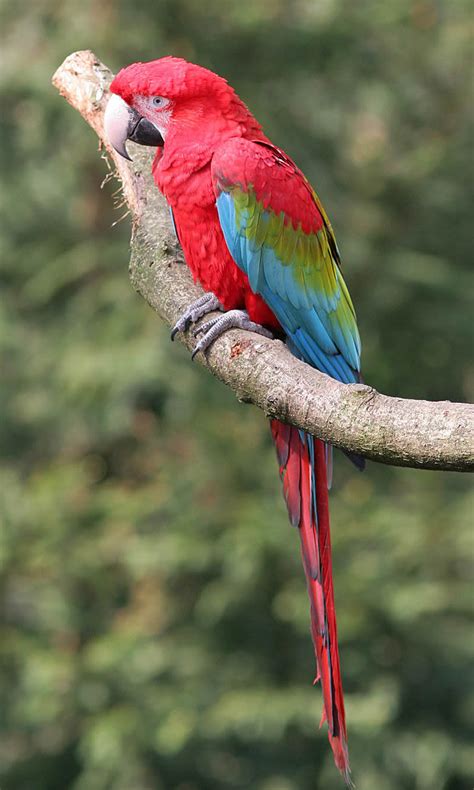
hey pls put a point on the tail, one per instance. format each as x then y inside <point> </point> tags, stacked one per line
<point>302,460</point>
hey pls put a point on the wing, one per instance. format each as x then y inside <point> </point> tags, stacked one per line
<point>279,235</point>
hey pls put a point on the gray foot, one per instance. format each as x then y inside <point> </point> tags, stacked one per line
<point>233,319</point>
<point>202,306</point>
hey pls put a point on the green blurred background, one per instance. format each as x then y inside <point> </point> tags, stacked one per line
<point>155,630</point>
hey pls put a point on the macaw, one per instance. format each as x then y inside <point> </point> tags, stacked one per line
<point>257,238</point>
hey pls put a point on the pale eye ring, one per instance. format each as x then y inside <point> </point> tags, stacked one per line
<point>159,101</point>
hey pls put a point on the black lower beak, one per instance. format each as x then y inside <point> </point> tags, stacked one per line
<point>144,132</point>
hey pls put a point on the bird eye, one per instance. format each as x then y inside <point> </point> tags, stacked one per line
<point>159,101</point>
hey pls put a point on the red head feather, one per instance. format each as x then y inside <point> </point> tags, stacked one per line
<point>196,93</point>
<point>170,77</point>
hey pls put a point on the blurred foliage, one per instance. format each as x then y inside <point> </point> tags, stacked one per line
<point>155,632</point>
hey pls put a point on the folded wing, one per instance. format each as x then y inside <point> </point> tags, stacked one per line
<point>278,234</point>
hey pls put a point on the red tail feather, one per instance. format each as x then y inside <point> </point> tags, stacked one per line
<point>302,461</point>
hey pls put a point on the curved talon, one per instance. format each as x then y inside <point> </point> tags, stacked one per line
<point>177,328</point>
<point>195,351</point>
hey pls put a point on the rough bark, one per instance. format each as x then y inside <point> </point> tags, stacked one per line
<point>424,434</point>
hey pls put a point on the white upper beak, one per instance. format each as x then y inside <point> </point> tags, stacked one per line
<point>117,122</point>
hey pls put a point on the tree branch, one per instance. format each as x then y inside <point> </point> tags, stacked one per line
<point>429,435</point>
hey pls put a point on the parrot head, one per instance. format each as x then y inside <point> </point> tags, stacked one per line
<point>171,98</point>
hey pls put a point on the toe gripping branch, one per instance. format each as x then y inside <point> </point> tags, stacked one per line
<point>206,303</point>
<point>215,327</point>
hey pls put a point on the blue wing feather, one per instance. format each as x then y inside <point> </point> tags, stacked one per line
<point>308,317</point>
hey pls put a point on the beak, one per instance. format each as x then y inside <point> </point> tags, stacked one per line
<point>122,123</point>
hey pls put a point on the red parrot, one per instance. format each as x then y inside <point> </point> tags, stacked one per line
<point>257,238</point>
